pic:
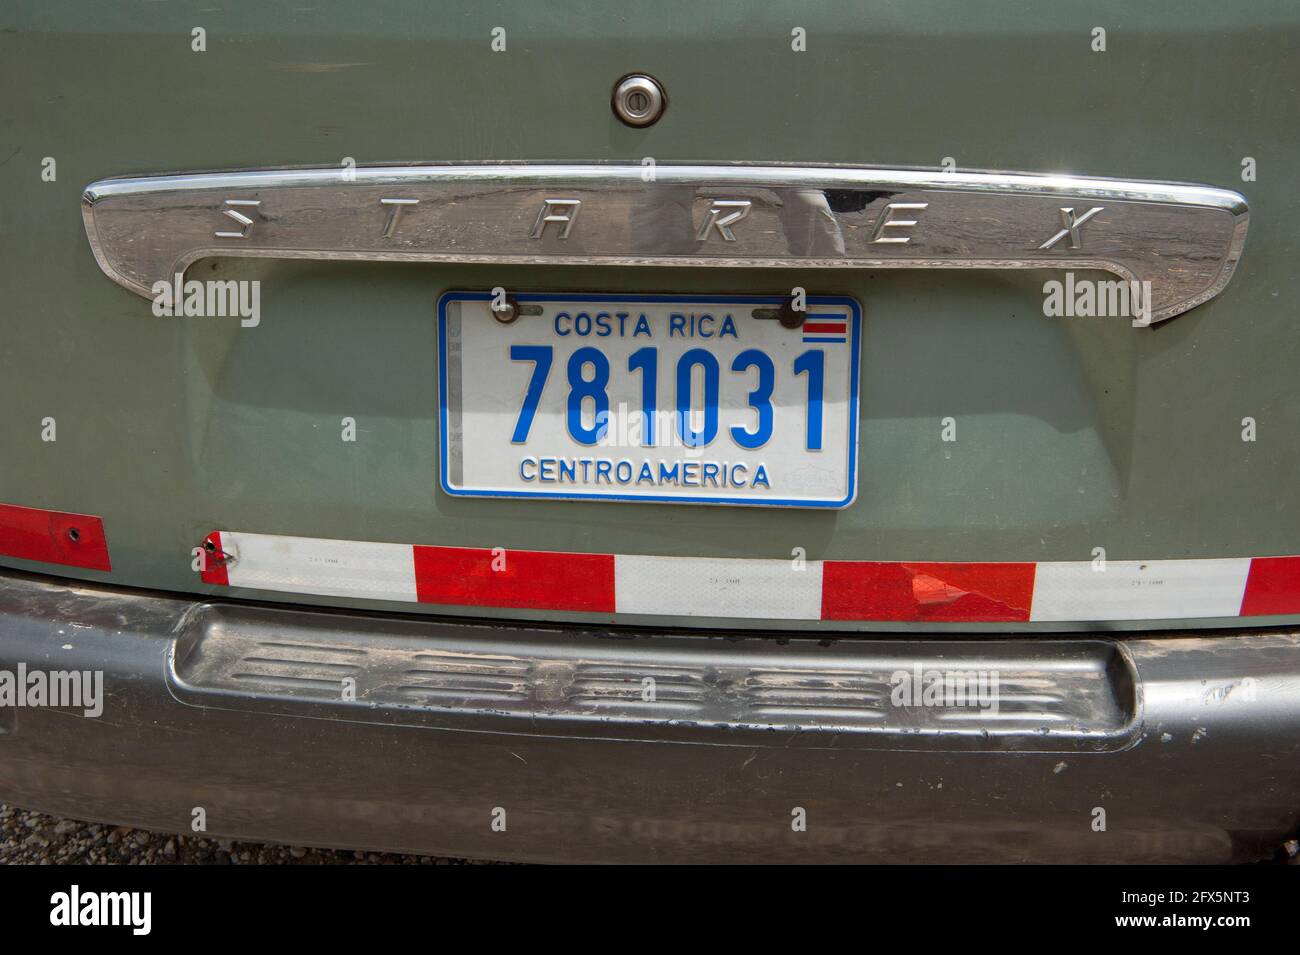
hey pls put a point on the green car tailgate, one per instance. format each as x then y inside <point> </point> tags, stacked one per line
<point>1015,470</point>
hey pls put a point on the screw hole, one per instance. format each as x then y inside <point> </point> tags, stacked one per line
<point>209,546</point>
<point>74,535</point>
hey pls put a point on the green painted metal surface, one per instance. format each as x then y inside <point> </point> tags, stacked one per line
<point>1072,434</point>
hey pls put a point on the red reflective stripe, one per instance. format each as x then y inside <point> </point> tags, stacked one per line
<point>969,592</point>
<point>1272,587</point>
<point>824,327</point>
<point>213,568</point>
<point>53,537</point>
<point>539,580</point>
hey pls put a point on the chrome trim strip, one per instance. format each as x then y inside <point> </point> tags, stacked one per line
<point>1184,239</point>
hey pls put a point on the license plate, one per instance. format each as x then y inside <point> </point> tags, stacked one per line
<point>681,399</point>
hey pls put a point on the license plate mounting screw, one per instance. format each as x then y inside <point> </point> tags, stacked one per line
<point>788,316</point>
<point>505,311</point>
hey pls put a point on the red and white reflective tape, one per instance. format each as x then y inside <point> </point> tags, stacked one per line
<point>53,537</point>
<point>725,587</point>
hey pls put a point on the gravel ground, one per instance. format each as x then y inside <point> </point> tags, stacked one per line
<point>36,838</point>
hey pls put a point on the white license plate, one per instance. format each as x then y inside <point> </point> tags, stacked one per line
<point>669,398</point>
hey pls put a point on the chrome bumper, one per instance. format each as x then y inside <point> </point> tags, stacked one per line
<point>385,732</point>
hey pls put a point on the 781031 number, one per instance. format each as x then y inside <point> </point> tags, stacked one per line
<point>588,373</point>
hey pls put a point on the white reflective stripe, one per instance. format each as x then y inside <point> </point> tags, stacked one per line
<point>331,568</point>
<point>1139,590</point>
<point>718,587</point>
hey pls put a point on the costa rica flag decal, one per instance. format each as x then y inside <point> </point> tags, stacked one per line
<point>826,328</point>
